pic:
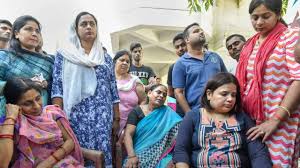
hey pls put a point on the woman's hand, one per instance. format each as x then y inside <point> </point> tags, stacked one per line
<point>264,130</point>
<point>132,162</point>
<point>40,80</point>
<point>12,111</point>
<point>48,163</point>
<point>43,84</point>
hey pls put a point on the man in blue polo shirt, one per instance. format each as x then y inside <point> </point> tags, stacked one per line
<point>194,68</point>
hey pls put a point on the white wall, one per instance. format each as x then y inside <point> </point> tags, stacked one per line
<point>113,15</point>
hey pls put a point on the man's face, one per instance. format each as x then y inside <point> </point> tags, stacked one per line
<point>137,54</point>
<point>5,32</point>
<point>234,47</point>
<point>196,36</point>
<point>180,47</point>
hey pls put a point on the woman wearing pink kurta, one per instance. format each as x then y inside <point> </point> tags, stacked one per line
<point>130,88</point>
<point>270,87</point>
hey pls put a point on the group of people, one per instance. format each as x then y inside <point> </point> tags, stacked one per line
<point>56,110</point>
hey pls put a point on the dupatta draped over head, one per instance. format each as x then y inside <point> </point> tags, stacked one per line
<point>252,101</point>
<point>39,136</point>
<point>79,76</point>
<point>155,137</point>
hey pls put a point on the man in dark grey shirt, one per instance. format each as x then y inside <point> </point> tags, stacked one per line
<point>145,73</point>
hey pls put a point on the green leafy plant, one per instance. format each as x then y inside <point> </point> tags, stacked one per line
<point>198,5</point>
<point>284,6</point>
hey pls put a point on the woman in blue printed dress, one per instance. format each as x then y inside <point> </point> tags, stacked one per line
<point>84,86</point>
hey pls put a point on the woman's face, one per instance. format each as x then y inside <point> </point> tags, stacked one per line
<point>87,28</point>
<point>29,36</point>
<point>122,64</point>
<point>263,20</point>
<point>223,99</point>
<point>31,103</point>
<point>158,96</point>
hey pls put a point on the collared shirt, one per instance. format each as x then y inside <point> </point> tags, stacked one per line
<point>191,74</point>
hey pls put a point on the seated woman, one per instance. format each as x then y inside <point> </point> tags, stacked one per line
<point>42,137</point>
<point>215,135</point>
<point>150,132</point>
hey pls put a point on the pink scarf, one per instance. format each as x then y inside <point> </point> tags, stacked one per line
<point>39,136</point>
<point>252,102</point>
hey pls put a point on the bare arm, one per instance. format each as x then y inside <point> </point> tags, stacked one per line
<point>58,101</point>
<point>116,111</point>
<point>292,98</point>
<point>7,144</point>
<point>129,133</point>
<point>116,123</point>
<point>140,90</point>
<point>115,130</point>
<point>182,165</point>
<point>182,100</point>
<point>61,152</point>
<point>290,101</point>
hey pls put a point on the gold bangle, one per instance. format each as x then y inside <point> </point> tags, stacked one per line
<point>285,109</point>
<point>10,118</point>
<point>55,158</point>
<point>133,156</point>
<point>64,150</point>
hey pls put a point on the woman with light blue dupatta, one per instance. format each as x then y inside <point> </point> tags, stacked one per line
<point>22,59</point>
<point>151,131</point>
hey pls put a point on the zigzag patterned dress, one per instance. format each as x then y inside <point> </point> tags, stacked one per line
<point>281,69</point>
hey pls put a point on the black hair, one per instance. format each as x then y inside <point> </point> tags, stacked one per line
<point>16,87</point>
<point>235,35</point>
<point>153,87</point>
<point>186,32</point>
<point>134,45</point>
<point>273,5</point>
<point>14,44</point>
<point>82,14</point>
<point>4,21</point>
<point>104,49</point>
<point>122,53</point>
<point>205,46</point>
<point>217,81</point>
<point>179,36</point>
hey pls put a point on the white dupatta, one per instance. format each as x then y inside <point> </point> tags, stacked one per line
<point>78,73</point>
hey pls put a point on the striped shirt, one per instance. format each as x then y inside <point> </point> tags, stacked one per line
<point>280,71</point>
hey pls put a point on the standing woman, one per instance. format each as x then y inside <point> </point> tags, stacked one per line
<point>84,85</point>
<point>130,88</point>
<point>269,79</point>
<point>22,60</point>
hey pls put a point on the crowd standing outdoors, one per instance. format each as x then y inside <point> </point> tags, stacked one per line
<point>81,108</point>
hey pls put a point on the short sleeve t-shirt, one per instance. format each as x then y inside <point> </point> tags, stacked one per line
<point>191,74</point>
<point>143,72</point>
<point>169,81</point>
<point>135,116</point>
